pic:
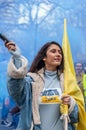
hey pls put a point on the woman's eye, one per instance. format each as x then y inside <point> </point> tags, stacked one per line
<point>60,52</point>
<point>53,51</point>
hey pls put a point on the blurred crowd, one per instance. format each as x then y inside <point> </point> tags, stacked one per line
<point>9,113</point>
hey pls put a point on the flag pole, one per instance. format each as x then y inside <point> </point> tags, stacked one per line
<point>66,67</point>
<point>66,124</point>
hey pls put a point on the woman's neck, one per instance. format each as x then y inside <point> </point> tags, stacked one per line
<point>50,68</point>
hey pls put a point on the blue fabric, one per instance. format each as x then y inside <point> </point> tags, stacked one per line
<point>4,111</point>
<point>74,118</point>
<point>15,119</point>
<point>20,90</point>
<point>5,108</point>
<point>37,127</point>
<point>74,115</point>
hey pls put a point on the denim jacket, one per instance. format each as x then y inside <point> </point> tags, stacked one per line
<point>20,88</point>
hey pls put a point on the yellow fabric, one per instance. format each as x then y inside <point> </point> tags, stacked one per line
<point>64,109</point>
<point>84,84</point>
<point>70,84</point>
<point>84,88</point>
<point>50,99</point>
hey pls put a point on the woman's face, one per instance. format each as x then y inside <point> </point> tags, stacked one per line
<point>53,57</point>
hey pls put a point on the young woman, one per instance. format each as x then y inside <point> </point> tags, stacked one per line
<point>37,91</point>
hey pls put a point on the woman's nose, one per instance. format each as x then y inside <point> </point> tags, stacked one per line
<point>57,54</point>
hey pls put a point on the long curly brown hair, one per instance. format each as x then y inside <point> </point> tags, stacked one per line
<point>38,62</point>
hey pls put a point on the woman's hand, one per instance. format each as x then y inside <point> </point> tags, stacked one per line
<point>11,46</point>
<point>66,99</point>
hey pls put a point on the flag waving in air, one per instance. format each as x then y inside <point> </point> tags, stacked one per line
<point>70,83</point>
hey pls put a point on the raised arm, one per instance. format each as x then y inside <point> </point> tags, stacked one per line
<point>17,70</point>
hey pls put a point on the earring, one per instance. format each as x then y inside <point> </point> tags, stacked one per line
<point>44,59</point>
